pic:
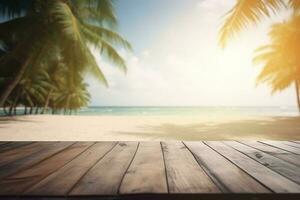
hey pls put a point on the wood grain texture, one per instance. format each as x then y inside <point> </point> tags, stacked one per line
<point>106,176</point>
<point>283,146</point>
<point>18,182</point>
<point>293,144</point>
<point>33,154</point>
<point>266,176</point>
<point>146,173</point>
<point>279,153</point>
<point>12,145</point>
<point>61,181</point>
<point>230,177</point>
<point>286,169</point>
<point>184,174</point>
<point>17,153</point>
<point>132,169</point>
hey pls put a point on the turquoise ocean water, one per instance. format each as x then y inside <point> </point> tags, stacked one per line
<point>185,111</point>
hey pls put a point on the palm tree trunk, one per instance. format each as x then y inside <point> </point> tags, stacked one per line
<point>5,111</point>
<point>10,109</point>
<point>13,83</point>
<point>36,110</point>
<point>67,105</point>
<point>47,101</point>
<point>297,93</point>
<point>14,104</point>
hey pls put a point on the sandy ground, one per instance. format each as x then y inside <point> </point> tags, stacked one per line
<point>104,128</point>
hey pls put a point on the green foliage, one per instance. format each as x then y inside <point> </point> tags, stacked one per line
<point>49,50</point>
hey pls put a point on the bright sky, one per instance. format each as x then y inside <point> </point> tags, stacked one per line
<point>177,61</point>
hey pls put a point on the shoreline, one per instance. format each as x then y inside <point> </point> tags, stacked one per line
<point>147,128</point>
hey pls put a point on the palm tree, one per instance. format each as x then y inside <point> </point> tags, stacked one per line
<point>55,71</point>
<point>69,26</point>
<point>246,12</point>
<point>33,88</point>
<point>72,98</point>
<point>280,59</point>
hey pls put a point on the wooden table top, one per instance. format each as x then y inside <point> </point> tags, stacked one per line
<point>119,169</point>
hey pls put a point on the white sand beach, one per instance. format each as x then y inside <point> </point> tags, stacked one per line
<point>143,128</point>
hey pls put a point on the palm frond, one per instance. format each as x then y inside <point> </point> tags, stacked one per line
<point>97,11</point>
<point>95,70</point>
<point>295,4</point>
<point>66,20</point>
<point>280,60</point>
<point>108,35</point>
<point>105,48</point>
<point>245,12</point>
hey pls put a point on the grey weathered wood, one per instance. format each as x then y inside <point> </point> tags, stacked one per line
<point>293,144</point>
<point>106,176</point>
<point>284,168</point>
<point>18,182</point>
<point>279,153</point>
<point>12,145</point>
<point>266,176</point>
<point>61,181</point>
<point>35,154</point>
<point>283,146</point>
<point>146,173</point>
<point>296,142</point>
<point>184,174</point>
<point>23,151</point>
<point>68,169</point>
<point>229,176</point>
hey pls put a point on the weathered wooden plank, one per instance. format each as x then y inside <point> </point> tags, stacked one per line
<point>23,151</point>
<point>16,153</point>
<point>106,176</point>
<point>283,146</point>
<point>2,143</point>
<point>286,169</point>
<point>12,145</point>
<point>266,176</point>
<point>184,174</point>
<point>38,152</point>
<point>61,181</point>
<point>19,182</point>
<point>146,173</point>
<point>279,153</point>
<point>229,176</point>
<point>293,144</point>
